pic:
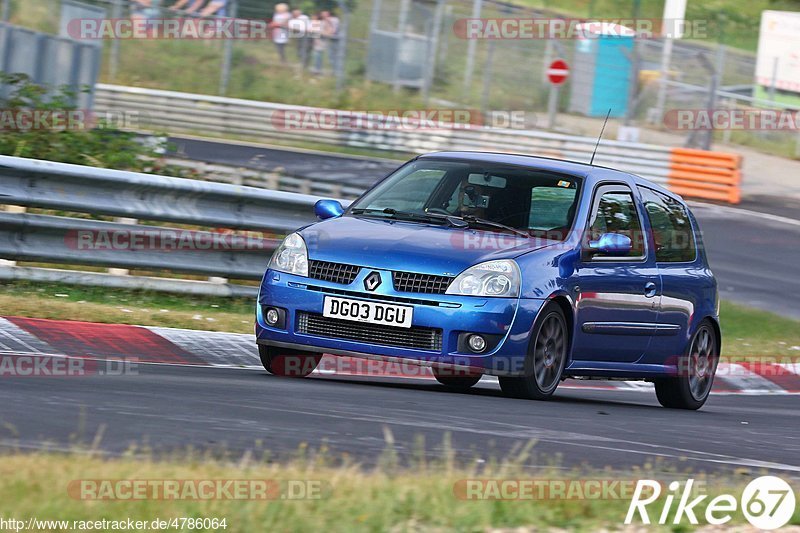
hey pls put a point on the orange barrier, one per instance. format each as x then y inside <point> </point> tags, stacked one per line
<point>704,174</point>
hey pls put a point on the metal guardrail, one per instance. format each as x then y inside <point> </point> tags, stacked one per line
<point>266,179</point>
<point>75,241</point>
<point>182,112</point>
<point>174,111</point>
<point>97,191</point>
<point>201,240</point>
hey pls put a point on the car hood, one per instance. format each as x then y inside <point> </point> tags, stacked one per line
<point>410,246</point>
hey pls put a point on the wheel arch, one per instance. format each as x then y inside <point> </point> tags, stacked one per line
<point>714,321</point>
<point>565,302</point>
<point>717,330</point>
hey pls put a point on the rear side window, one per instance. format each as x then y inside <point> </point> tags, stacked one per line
<point>672,229</point>
<point>616,213</point>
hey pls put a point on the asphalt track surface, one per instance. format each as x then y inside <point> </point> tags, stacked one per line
<point>343,169</point>
<point>233,410</point>
<point>754,250</point>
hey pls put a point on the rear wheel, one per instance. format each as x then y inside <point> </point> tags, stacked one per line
<point>695,376</point>
<point>546,358</point>
<point>446,378</point>
<point>286,362</point>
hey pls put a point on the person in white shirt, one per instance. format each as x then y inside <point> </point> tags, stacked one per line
<point>280,33</point>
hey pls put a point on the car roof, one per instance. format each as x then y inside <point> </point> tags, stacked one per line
<point>574,168</point>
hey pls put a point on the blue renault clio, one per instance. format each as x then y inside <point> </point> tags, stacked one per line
<point>530,269</point>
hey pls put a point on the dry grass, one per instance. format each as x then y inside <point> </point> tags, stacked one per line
<point>352,498</point>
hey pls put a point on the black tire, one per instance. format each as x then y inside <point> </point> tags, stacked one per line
<point>286,362</point>
<point>690,388</point>
<point>547,355</point>
<point>461,383</point>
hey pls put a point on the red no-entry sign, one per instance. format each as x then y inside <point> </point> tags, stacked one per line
<point>557,72</point>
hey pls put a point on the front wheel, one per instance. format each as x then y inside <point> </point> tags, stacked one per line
<point>461,383</point>
<point>286,362</point>
<point>695,375</point>
<point>546,358</point>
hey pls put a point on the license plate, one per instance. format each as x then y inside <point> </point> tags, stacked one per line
<point>368,312</point>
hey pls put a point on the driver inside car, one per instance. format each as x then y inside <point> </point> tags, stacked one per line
<point>471,199</point>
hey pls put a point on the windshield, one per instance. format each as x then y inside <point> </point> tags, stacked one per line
<point>532,201</point>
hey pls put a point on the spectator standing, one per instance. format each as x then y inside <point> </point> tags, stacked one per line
<point>318,44</point>
<point>145,9</point>
<point>280,33</point>
<point>300,29</point>
<point>330,32</point>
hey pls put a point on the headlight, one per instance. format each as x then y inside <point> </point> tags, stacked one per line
<point>499,278</point>
<point>291,256</point>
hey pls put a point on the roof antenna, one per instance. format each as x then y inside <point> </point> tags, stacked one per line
<point>600,136</point>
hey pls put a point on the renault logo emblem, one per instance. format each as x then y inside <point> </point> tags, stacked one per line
<point>372,281</point>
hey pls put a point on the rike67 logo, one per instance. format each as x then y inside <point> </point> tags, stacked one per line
<point>767,502</point>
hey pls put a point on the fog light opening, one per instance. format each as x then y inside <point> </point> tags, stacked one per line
<point>272,317</point>
<point>476,343</point>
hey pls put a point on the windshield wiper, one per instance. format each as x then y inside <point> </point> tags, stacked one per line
<point>472,219</point>
<point>409,215</point>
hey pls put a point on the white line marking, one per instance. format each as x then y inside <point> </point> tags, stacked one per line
<point>738,212</point>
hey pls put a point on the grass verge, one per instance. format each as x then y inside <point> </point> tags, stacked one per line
<point>119,306</point>
<point>746,332</point>
<point>346,498</point>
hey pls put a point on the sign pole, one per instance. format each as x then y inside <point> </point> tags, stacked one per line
<point>552,106</point>
<point>674,15</point>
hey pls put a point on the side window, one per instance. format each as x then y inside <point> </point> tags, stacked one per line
<point>616,213</point>
<point>551,208</point>
<point>672,229</point>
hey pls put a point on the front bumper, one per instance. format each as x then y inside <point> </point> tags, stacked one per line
<point>507,320</point>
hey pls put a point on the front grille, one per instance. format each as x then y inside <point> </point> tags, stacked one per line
<point>414,337</point>
<point>335,272</point>
<point>421,283</point>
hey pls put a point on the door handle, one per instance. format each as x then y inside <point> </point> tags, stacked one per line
<point>650,289</point>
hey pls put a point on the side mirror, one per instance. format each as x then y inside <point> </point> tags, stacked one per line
<point>325,209</point>
<point>611,244</point>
